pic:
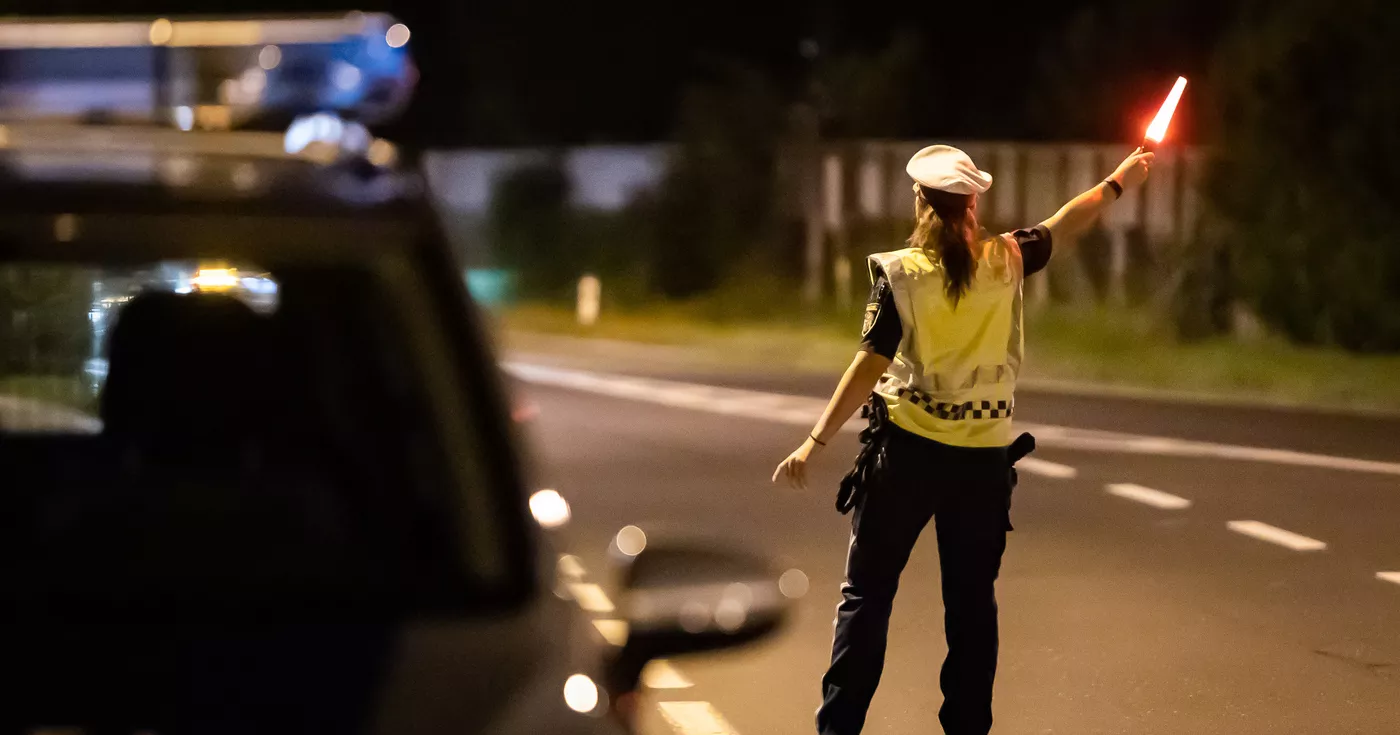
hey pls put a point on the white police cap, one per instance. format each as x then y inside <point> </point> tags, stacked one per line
<point>945,168</point>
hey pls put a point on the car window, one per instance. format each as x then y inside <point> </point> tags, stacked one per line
<point>221,435</point>
<point>53,356</point>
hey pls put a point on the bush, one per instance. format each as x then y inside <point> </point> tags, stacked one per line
<point>1201,304</point>
<point>716,202</point>
<point>529,228</point>
<point>548,244</point>
<point>1306,175</point>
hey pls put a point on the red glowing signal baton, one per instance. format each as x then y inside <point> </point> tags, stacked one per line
<point>1158,129</point>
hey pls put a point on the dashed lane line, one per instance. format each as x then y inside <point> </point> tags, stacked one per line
<point>1275,535</point>
<point>612,631</point>
<point>1046,469</point>
<point>591,597</point>
<point>1148,496</point>
<point>803,411</point>
<point>660,674</point>
<point>695,718</point>
<point>570,567</point>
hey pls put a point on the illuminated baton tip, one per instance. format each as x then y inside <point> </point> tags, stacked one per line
<point>1158,129</point>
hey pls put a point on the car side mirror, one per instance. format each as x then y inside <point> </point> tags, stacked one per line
<point>682,597</point>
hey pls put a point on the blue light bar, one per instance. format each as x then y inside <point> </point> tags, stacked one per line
<point>202,72</point>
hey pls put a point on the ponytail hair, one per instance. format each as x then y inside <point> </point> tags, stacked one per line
<point>941,224</point>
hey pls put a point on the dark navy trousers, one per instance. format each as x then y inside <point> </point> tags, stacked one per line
<point>967,495</point>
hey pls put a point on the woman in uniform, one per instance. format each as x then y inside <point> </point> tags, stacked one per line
<point>941,348</point>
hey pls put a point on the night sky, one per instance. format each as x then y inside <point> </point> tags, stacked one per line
<point>516,73</point>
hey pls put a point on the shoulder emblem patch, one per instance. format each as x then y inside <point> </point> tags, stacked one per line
<point>872,312</point>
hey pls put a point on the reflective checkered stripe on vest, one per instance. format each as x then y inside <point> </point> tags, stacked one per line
<point>953,379</point>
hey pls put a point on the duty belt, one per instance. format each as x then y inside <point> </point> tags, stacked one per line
<point>872,457</point>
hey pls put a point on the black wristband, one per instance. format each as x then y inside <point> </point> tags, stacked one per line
<point>819,441</point>
<point>1116,187</point>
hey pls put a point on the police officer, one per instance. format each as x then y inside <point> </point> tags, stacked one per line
<point>941,349</point>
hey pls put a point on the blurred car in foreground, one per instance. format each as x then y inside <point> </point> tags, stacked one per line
<point>290,502</point>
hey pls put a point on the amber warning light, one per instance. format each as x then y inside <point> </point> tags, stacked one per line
<point>1158,129</point>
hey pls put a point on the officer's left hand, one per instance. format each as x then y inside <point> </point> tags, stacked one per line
<point>794,468</point>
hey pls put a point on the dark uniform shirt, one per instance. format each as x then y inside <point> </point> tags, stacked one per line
<point>883,330</point>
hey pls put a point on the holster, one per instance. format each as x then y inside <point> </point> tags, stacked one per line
<point>1024,444</point>
<point>872,457</point>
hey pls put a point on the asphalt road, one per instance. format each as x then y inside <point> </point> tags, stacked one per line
<point>1131,612</point>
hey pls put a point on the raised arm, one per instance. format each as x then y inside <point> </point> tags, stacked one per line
<point>1076,217</point>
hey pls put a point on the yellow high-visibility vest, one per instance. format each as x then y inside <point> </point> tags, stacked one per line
<point>953,379</point>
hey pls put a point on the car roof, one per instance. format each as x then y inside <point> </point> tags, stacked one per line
<point>148,170</point>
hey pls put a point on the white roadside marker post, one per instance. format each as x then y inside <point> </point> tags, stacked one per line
<point>590,292</point>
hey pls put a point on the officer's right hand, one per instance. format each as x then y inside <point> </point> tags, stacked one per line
<point>794,468</point>
<point>1133,170</point>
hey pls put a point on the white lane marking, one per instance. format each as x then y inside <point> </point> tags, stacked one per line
<point>1046,469</point>
<point>787,409</point>
<point>695,718</point>
<point>1148,496</point>
<point>1388,577</point>
<point>1088,440</point>
<point>803,411</point>
<point>570,567</point>
<point>660,674</point>
<point>591,597</point>
<point>613,631</point>
<point>1275,535</point>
